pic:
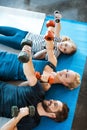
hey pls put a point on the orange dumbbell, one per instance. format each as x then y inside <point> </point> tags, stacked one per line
<point>50,23</point>
<point>49,36</point>
<point>37,74</point>
<point>51,79</point>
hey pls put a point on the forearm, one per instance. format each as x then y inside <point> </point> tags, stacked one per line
<point>57,29</point>
<point>30,72</point>
<point>11,124</point>
<point>51,57</point>
<point>25,83</point>
<point>50,52</point>
<point>57,16</point>
<point>40,55</point>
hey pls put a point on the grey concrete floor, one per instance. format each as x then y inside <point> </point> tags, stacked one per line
<point>73,10</point>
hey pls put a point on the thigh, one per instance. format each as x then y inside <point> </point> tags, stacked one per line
<point>8,31</point>
<point>12,37</point>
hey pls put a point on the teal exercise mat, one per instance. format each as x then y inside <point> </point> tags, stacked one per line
<point>77,31</point>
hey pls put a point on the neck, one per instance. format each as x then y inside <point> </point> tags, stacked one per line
<point>56,78</point>
<point>40,110</point>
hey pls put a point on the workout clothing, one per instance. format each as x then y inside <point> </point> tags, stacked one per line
<point>13,37</point>
<point>11,95</point>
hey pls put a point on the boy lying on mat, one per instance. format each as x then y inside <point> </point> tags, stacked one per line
<point>27,117</point>
<point>14,37</point>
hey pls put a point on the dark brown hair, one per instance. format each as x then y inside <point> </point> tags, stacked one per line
<point>63,114</point>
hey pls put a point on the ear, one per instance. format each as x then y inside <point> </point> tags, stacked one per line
<point>51,115</point>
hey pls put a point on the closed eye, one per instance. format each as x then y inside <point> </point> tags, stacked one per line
<point>55,104</point>
<point>67,70</point>
<point>66,75</point>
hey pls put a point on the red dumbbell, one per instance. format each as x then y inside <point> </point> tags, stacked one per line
<point>51,79</point>
<point>49,36</point>
<point>50,23</point>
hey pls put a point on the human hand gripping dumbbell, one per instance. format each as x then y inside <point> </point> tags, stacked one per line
<point>44,78</point>
<point>15,111</point>
<point>24,55</point>
<point>49,38</point>
<point>57,17</point>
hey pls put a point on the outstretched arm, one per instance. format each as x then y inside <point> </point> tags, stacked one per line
<point>11,124</point>
<point>49,37</point>
<point>57,16</point>
<point>28,68</point>
<point>40,55</point>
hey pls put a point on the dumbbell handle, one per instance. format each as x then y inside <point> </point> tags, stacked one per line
<point>15,111</point>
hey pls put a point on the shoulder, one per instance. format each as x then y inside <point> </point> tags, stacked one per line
<point>51,65</point>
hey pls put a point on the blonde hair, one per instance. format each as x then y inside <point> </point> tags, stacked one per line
<point>76,82</point>
<point>66,38</point>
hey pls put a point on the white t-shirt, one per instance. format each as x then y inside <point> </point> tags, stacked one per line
<point>40,44</point>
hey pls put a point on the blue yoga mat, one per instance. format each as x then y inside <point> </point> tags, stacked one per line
<point>77,31</point>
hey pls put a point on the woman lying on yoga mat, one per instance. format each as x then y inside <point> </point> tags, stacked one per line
<point>33,93</point>
<point>14,37</point>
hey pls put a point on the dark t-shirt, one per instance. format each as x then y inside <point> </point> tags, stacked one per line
<point>12,69</point>
<point>11,95</point>
<point>9,66</point>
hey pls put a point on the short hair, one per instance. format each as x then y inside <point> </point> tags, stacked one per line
<point>75,83</point>
<point>63,114</point>
<point>74,47</point>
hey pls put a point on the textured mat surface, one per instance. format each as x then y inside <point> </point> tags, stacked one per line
<point>78,32</point>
